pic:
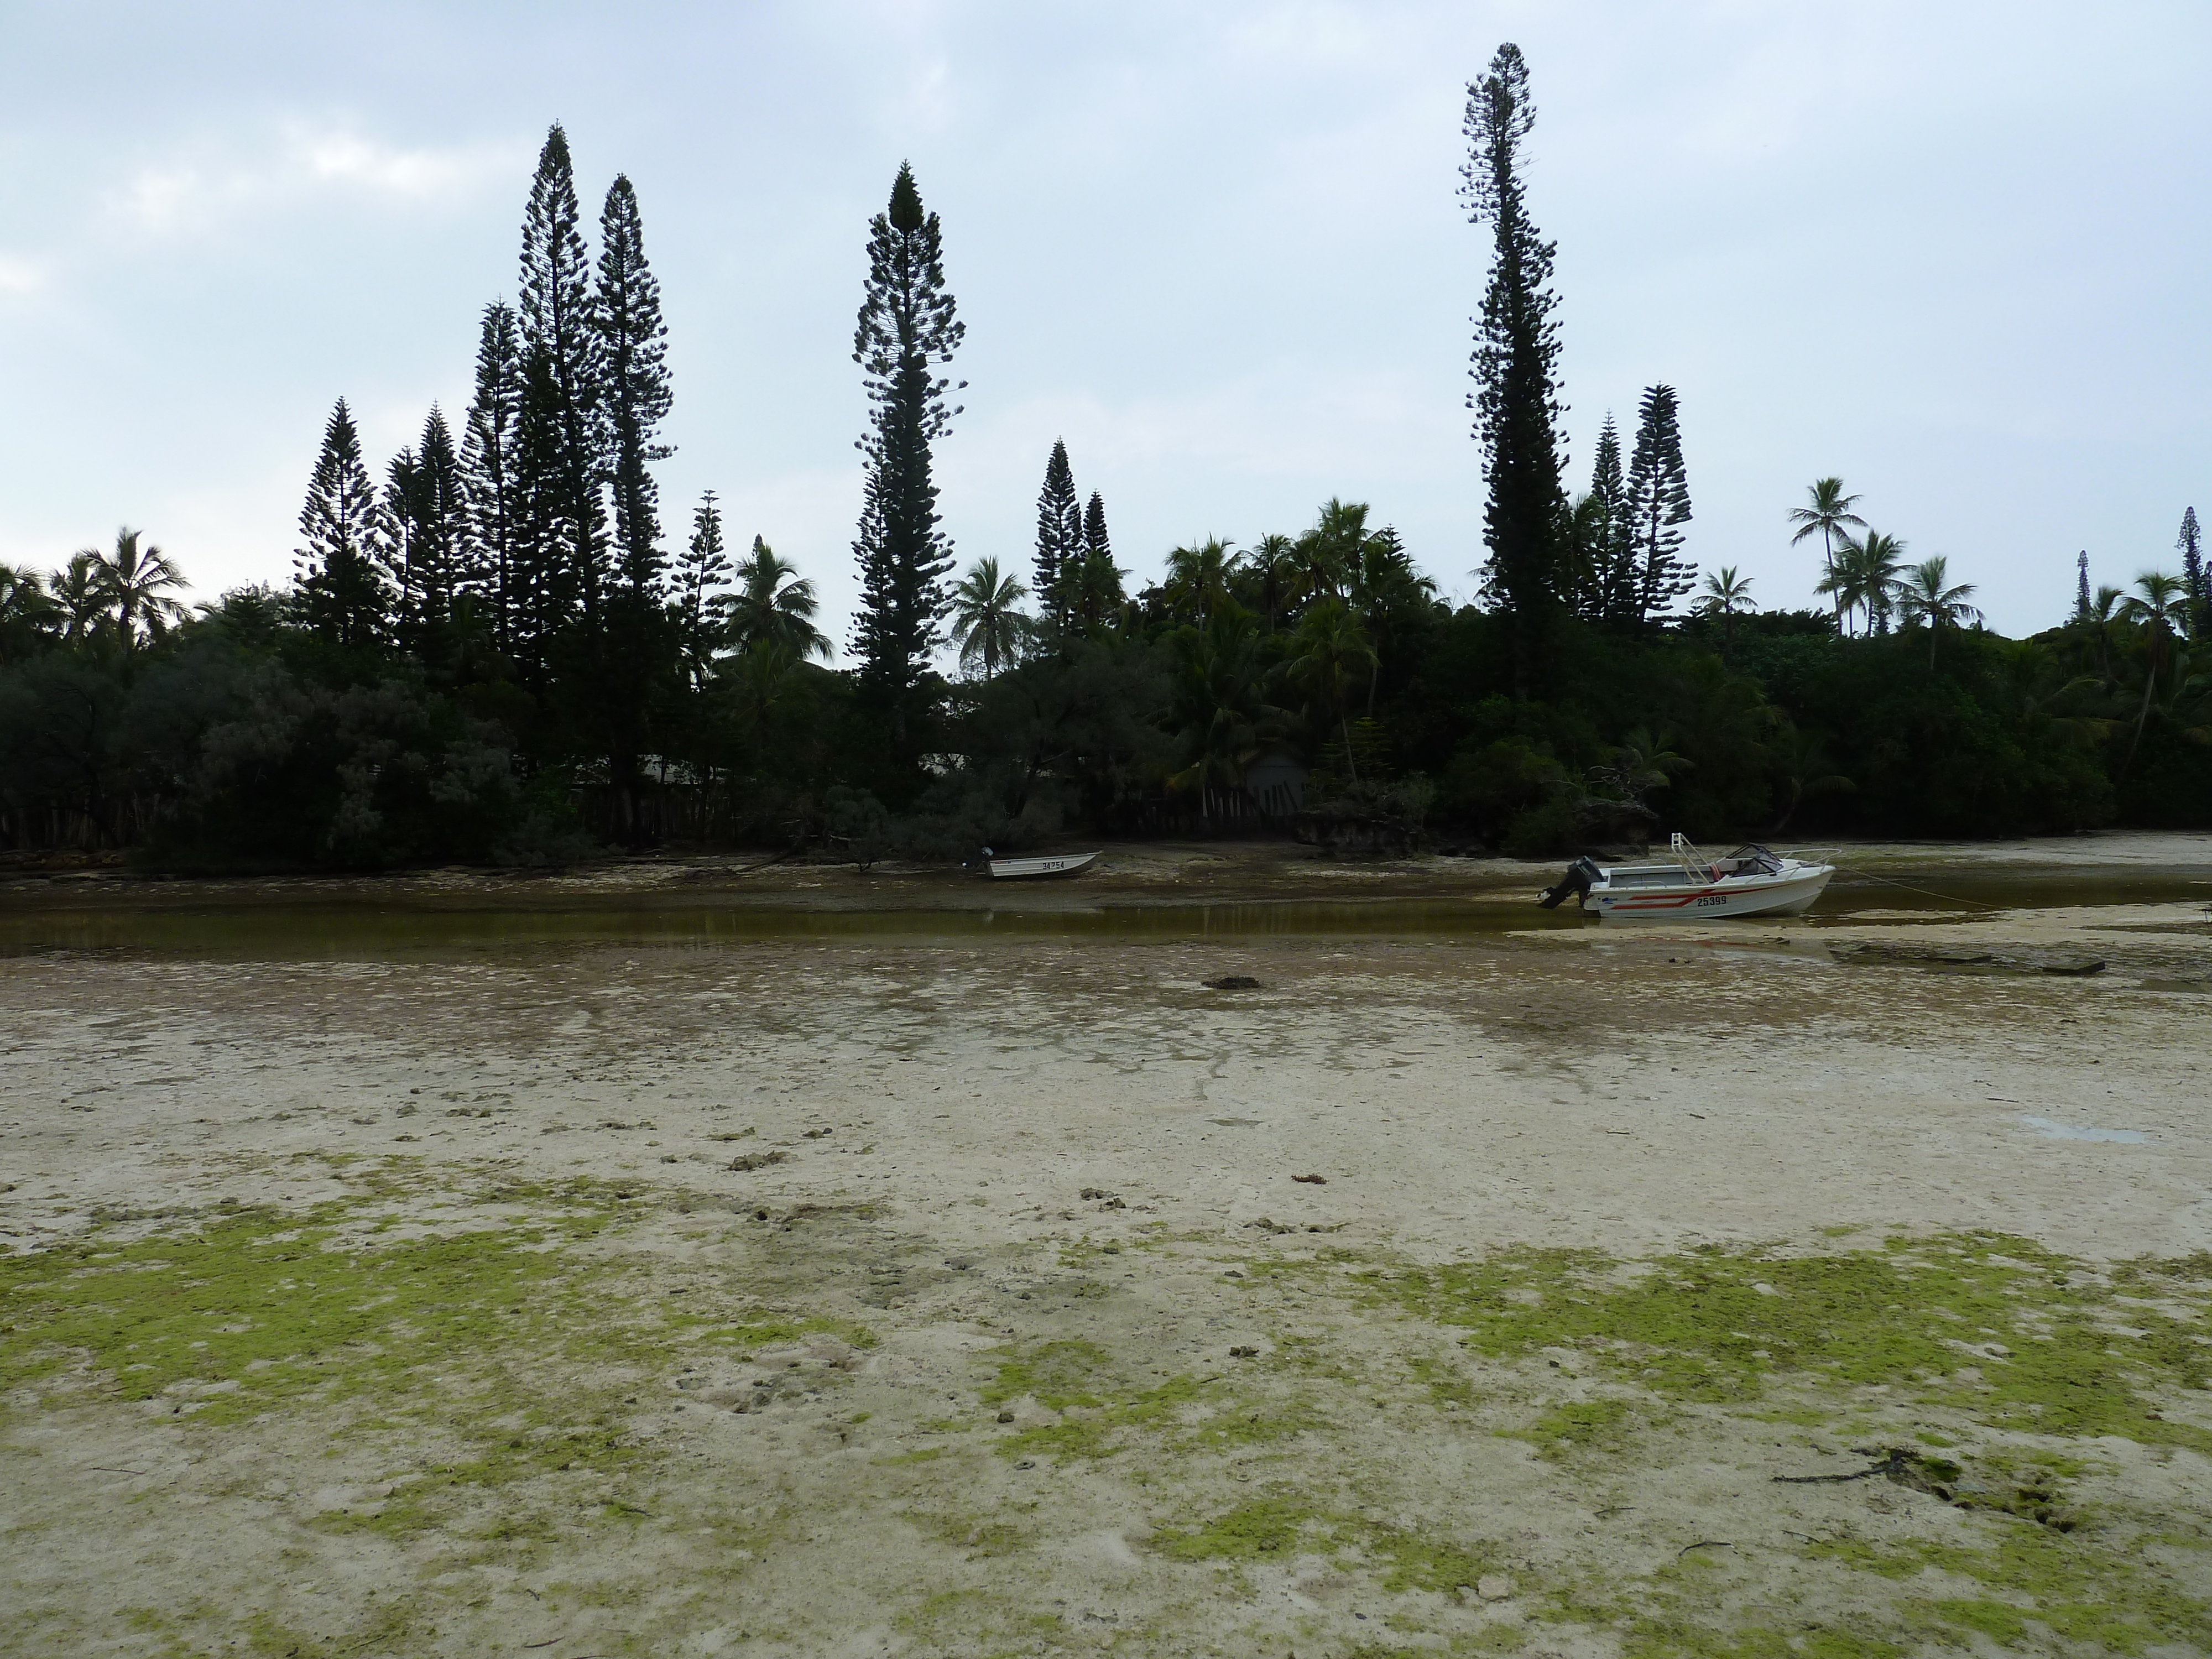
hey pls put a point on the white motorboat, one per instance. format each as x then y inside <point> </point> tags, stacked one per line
<point>1752,881</point>
<point>1065,864</point>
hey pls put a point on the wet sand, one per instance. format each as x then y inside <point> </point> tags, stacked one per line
<point>1056,1302</point>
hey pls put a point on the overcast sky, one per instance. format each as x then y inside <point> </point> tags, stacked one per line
<point>1956,253</point>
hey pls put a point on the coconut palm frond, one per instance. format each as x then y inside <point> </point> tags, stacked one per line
<point>989,627</point>
<point>1926,597</point>
<point>1826,513</point>
<point>771,605</point>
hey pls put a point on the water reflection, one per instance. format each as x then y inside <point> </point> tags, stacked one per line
<point>328,930</point>
<point>265,926</point>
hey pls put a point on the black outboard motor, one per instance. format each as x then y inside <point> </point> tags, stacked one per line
<point>1574,885</point>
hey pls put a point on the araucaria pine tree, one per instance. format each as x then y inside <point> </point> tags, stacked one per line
<point>402,489</point>
<point>633,400</point>
<point>1059,536</point>
<point>546,586</point>
<point>1097,545</point>
<point>441,511</point>
<point>907,328</point>
<point>2191,544</point>
<point>423,509</point>
<point>1611,530</point>
<point>344,593</point>
<point>635,344</point>
<point>490,446</point>
<point>703,567</point>
<point>2081,586</point>
<point>1658,503</point>
<point>559,326</point>
<point>1516,347</point>
<point>1096,597</point>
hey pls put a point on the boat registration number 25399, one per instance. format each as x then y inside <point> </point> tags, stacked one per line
<point>1711,898</point>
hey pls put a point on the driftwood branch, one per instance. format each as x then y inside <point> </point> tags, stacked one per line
<point>1894,1464</point>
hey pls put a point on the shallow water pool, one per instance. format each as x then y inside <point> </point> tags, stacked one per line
<point>256,925</point>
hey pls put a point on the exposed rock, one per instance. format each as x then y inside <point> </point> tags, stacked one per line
<point>1863,951</point>
<point>1996,959</point>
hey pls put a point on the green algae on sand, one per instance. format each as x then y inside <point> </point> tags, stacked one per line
<point>1998,1327</point>
<point>490,1339</point>
<point>487,1344</point>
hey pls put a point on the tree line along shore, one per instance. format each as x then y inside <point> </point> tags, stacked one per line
<point>497,653</point>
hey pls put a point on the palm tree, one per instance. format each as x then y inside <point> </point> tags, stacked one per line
<point>1881,559</point>
<point>1726,595</point>
<point>1387,594</point>
<point>1094,599</point>
<point>987,627</point>
<point>132,583</point>
<point>2161,609</point>
<point>1331,652</point>
<point>2196,720</point>
<point>1863,576</point>
<point>1219,707</point>
<point>28,613</point>
<point>1828,512</point>
<point>1197,578</point>
<point>767,608</point>
<point>2096,624</point>
<point>83,604</point>
<point>1329,552</point>
<point>758,681</point>
<point>1641,762</point>
<point>2162,606</point>
<point>1585,556</point>
<point>1269,573</point>
<point>2044,701</point>
<point>1923,597</point>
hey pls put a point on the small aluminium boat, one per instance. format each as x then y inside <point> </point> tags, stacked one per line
<point>1752,881</point>
<point>1064,864</point>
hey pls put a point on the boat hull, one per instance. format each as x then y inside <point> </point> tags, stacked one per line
<point>1787,895</point>
<point>1045,869</point>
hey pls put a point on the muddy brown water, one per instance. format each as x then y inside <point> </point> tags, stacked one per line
<point>258,925</point>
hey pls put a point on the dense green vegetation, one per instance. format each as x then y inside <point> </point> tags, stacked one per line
<point>243,735</point>
<point>493,655</point>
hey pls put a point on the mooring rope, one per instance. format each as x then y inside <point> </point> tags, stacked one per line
<point>1927,892</point>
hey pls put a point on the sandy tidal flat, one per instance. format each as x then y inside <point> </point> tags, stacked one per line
<point>1571,1293</point>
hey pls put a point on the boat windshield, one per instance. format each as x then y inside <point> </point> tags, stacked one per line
<point>1751,859</point>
